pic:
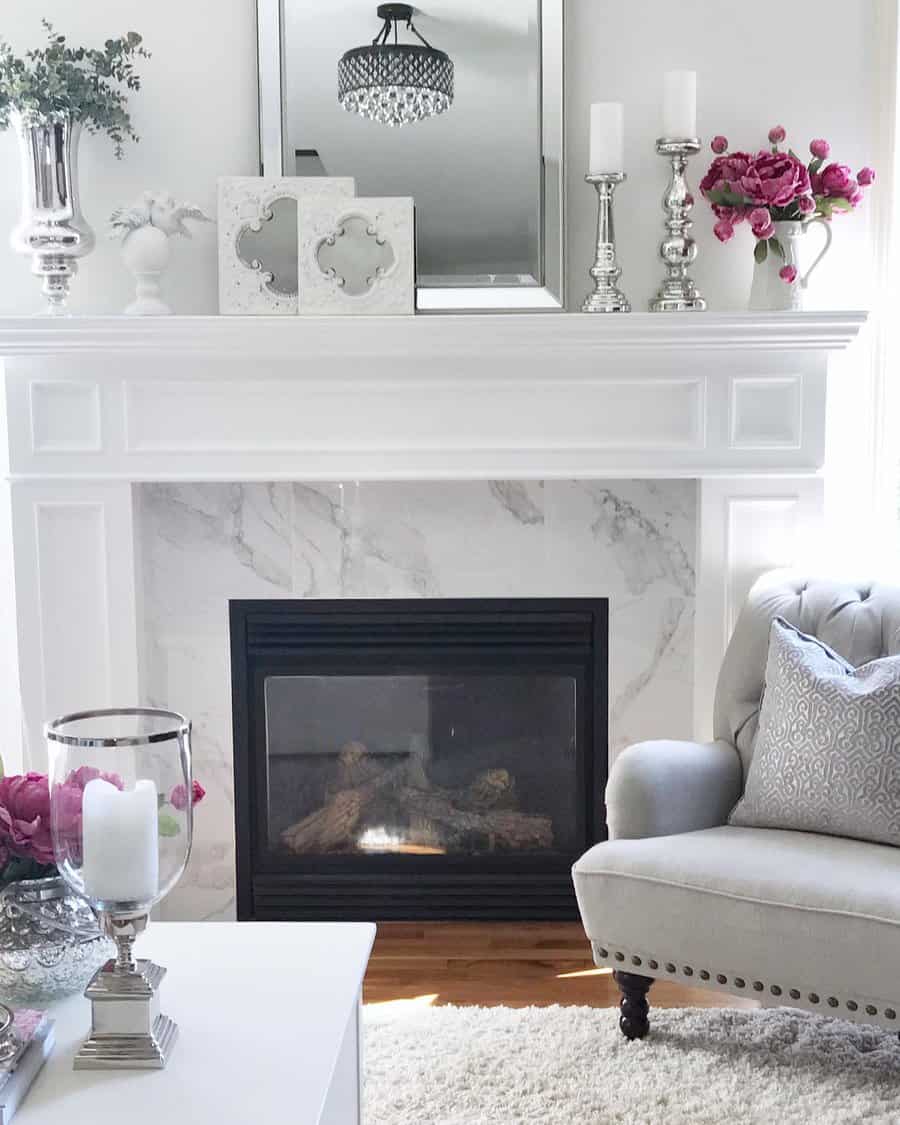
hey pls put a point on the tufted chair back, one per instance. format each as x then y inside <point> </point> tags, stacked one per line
<point>859,620</point>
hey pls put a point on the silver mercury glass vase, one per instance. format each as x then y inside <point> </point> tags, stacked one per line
<point>52,229</point>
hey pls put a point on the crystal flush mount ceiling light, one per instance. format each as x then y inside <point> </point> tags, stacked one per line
<point>395,83</point>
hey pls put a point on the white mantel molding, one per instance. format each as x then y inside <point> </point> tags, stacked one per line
<point>511,335</point>
<point>439,397</point>
<point>92,405</point>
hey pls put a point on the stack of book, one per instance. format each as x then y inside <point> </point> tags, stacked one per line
<point>33,1032</point>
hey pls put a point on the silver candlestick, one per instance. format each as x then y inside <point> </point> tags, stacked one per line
<point>678,250</point>
<point>127,1028</point>
<point>606,297</point>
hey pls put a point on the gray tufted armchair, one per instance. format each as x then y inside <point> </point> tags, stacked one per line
<point>785,917</point>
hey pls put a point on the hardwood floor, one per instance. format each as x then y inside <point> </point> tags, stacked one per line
<point>516,965</point>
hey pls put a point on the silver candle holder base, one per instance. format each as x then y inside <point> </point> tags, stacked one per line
<point>606,297</point>
<point>678,250</point>
<point>128,1030</point>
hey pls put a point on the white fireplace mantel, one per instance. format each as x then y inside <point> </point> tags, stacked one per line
<point>418,398</point>
<point>92,405</point>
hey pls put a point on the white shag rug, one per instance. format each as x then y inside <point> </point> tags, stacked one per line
<point>571,1066</point>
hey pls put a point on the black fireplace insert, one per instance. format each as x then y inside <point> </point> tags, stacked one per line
<point>416,759</point>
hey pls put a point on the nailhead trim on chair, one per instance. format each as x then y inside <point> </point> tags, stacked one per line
<point>740,982</point>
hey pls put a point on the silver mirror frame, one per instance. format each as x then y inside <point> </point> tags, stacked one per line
<point>551,297</point>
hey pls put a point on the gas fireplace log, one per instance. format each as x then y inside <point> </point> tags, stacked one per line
<point>327,829</point>
<point>338,825</point>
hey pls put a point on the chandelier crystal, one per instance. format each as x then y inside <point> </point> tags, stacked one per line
<point>395,83</point>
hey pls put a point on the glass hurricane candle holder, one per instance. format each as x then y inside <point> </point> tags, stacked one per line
<point>121,814</point>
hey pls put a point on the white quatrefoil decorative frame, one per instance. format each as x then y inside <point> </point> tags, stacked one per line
<point>357,258</point>
<point>245,203</point>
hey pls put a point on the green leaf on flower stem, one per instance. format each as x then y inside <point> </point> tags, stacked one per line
<point>168,825</point>
<point>761,251</point>
<point>776,246</point>
<point>725,198</point>
<point>840,204</point>
<point>815,164</point>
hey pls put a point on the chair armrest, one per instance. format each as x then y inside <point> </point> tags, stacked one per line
<point>664,788</point>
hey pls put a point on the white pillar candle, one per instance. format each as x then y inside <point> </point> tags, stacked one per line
<point>607,137</point>
<point>679,105</point>
<point>120,842</point>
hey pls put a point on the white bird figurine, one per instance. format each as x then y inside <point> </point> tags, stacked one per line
<point>155,209</point>
<point>144,230</point>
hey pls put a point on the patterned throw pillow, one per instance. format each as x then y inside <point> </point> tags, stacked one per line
<point>827,756</point>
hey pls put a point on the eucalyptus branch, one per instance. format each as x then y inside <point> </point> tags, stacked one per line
<point>57,82</point>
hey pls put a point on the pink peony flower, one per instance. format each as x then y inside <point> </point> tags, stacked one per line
<point>25,816</point>
<point>855,194</point>
<point>761,223</point>
<point>724,230</point>
<point>775,179</point>
<point>777,134</point>
<point>68,802</point>
<point>820,149</point>
<point>725,174</point>
<point>866,177</point>
<point>80,777</point>
<point>807,204</point>
<point>719,144</point>
<point>178,796</point>
<point>836,180</point>
<point>788,274</point>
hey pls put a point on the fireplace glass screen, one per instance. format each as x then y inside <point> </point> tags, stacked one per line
<point>440,764</point>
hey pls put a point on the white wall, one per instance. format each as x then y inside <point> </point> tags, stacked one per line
<point>197,118</point>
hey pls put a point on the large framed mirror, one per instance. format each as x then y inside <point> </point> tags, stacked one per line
<point>476,87</point>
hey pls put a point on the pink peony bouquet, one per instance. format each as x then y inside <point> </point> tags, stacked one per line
<point>26,847</point>
<point>774,186</point>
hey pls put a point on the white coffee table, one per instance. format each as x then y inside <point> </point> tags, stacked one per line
<point>268,1017</point>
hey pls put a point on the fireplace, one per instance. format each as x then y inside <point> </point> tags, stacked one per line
<point>413,759</point>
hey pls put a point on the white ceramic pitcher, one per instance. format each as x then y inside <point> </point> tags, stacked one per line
<point>769,290</point>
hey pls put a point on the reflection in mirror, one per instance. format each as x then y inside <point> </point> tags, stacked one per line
<point>355,256</point>
<point>269,244</point>
<point>486,176</point>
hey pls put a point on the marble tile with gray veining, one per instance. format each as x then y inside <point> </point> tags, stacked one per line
<point>631,541</point>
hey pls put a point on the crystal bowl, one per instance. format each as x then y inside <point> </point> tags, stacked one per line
<point>50,945</point>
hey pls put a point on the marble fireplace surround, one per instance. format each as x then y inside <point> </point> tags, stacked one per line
<point>154,469</point>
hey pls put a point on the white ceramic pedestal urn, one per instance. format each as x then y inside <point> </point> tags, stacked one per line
<point>146,253</point>
<point>770,291</point>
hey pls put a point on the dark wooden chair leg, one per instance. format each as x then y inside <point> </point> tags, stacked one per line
<point>633,1021</point>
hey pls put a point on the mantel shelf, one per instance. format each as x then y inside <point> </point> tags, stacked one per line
<point>508,335</point>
